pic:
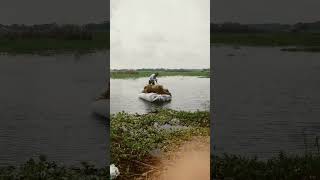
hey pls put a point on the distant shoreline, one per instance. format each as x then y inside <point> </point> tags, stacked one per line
<point>133,74</point>
<point>301,41</point>
<point>45,45</point>
<point>308,42</point>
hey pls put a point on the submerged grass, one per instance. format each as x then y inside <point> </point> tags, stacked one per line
<point>134,137</point>
<point>127,74</point>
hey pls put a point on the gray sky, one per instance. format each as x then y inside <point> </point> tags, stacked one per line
<point>47,11</point>
<point>160,34</point>
<point>265,11</point>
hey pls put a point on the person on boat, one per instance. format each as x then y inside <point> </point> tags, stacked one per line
<point>153,78</point>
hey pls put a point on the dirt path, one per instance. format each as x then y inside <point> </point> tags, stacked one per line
<point>190,161</point>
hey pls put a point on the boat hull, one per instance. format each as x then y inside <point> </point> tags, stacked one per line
<point>154,97</point>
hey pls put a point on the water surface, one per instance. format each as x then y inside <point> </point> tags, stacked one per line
<point>45,108</point>
<point>266,100</point>
<point>188,94</point>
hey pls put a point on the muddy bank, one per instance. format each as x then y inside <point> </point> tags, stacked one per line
<point>190,161</point>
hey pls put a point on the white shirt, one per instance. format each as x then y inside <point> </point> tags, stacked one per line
<point>153,77</point>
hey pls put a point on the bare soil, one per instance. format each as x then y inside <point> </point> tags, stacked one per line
<point>191,161</point>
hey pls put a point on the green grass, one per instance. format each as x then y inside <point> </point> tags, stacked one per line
<point>267,39</point>
<point>282,167</point>
<point>43,169</point>
<point>134,136</point>
<point>127,74</point>
<point>100,41</point>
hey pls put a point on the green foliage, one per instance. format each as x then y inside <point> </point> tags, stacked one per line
<point>281,167</point>
<point>133,137</point>
<point>43,169</point>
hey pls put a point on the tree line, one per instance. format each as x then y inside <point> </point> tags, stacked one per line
<point>232,27</point>
<point>53,30</point>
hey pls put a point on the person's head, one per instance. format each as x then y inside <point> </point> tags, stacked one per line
<point>156,73</point>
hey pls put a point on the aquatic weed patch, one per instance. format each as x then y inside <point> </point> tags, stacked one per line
<point>134,136</point>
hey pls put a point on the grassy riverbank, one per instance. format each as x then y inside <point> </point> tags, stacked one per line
<point>127,74</point>
<point>27,45</point>
<point>302,41</point>
<point>134,138</point>
<point>284,167</point>
<point>43,169</point>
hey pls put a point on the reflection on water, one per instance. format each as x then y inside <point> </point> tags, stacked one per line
<point>266,100</point>
<point>188,93</point>
<point>45,108</point>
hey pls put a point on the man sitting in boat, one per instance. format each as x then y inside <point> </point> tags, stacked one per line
<point>153,78</point>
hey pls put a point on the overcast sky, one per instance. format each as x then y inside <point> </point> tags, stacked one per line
<point>265,11</point>
<point>48,11</point>
<point>160,34</point>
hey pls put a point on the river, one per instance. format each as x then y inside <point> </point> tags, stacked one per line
<point>45,108</point>
<point>188,94</point>
<point>266,100</point>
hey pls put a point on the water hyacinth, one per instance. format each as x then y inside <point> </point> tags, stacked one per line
<point>135,138</point>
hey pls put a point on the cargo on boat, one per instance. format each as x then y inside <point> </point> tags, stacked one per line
<point>155,93</point>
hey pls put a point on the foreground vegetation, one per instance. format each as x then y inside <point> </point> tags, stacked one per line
<point>126,74</point>
<point>303,41</point>
<point>43,169</point>
<point>282,167</point>
<point>134,137</point>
